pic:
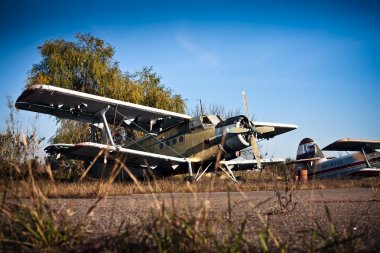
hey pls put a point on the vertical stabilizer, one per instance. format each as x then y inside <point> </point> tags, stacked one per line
<point>307,149</point>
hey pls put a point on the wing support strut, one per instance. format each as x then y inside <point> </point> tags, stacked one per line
<point>365,157</point>
<point>102,114</point>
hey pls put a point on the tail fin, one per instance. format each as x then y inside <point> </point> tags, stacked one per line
<point>308,151</point>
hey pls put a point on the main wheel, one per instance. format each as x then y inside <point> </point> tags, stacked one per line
<point>189,179</point>
<point>241,179</point>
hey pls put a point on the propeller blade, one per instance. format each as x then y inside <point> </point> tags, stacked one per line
<point>245,104</point>
<point>237,130</point>
<point>264,129</point>
<point>255,151</point>
<point>253,130</point>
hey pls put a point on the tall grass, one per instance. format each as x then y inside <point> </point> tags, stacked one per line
<point>91,188</point>
<point>29,222</point>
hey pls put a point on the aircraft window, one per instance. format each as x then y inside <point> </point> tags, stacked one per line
<point>174,141</point>
<point>180,139</point>
<point>211,119</point>
<point>161,145</point>
<point>196,123</point>
<point>206,120</point>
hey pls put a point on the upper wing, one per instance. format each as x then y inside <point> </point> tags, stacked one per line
<point>90,150</point>
<point>348,144</point>
<point>250,164</point>
<point>75,105</point>
<point>278,128</point>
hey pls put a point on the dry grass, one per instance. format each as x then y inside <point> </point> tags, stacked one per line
<point>90,188</point>
<point>30,223</point>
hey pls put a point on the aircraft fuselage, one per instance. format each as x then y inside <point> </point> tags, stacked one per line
<point>201,139</point>
<point>345,166</point>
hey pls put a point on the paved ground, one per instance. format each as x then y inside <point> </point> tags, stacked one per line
<point>352,210</point>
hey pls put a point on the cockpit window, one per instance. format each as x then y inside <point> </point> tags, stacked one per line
<point>211,119</point>
<point>195,123</point>
<point>204,121</point>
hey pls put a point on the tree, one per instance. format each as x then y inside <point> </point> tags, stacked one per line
<point>87,65</point>
<point>215,108</point>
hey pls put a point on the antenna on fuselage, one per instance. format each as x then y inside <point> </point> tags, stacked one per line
<point>200,102</point>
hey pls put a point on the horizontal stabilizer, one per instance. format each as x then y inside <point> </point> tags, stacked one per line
<point>304,160</point>
<point>250,164</point>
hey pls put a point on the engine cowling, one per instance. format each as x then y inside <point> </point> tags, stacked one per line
<point>233,141</point>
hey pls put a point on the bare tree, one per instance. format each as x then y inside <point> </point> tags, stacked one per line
<point>214,109</point>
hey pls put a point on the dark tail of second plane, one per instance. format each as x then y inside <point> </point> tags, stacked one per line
<point>307,152</point>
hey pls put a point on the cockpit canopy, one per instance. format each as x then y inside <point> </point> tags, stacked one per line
<point>204,121</point>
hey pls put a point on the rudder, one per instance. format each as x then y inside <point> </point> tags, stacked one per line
<point>308,149</point>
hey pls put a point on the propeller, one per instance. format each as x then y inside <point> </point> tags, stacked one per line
<point>253,130</point>
<point>237,130</point>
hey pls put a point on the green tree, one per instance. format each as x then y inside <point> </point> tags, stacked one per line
<point>87,65</point>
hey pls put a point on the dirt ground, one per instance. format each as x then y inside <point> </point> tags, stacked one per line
<point>353,211</point>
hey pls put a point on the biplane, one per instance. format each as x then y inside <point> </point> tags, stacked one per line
<point>364,162</point>
<point>173,143</point>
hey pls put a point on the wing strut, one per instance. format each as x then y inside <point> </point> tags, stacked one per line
<point>365,157</point>
<point>102,114</point>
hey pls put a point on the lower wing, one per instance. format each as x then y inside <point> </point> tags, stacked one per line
<point>250,164</point>
<point>89,151</point>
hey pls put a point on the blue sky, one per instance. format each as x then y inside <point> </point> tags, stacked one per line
<point>311,63</point>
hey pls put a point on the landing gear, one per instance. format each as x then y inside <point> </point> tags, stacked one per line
<point>241,180</point>
<point>189,179</point>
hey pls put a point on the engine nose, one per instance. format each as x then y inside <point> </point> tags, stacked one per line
<point>236,131</point>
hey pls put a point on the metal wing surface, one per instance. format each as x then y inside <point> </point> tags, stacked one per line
<point>75,105</point>
<point>348,144</point>
<point>250,164</point>
<point>89,150</point>
<point>278,128</point>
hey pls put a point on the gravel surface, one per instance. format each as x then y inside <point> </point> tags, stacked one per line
<point>352,211</point>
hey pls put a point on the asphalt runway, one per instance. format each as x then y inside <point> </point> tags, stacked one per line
<point>353,210</point>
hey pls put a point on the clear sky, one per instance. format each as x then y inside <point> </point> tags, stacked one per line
<point>311,63</point>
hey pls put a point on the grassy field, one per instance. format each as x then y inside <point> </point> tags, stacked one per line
<point>270,180</point>
<point>29,222</point>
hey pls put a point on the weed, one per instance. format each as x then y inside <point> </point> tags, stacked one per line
<point>32,222</point>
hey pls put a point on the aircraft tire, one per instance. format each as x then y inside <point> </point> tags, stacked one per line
<point>241,179</point>
<point>189,179</point>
